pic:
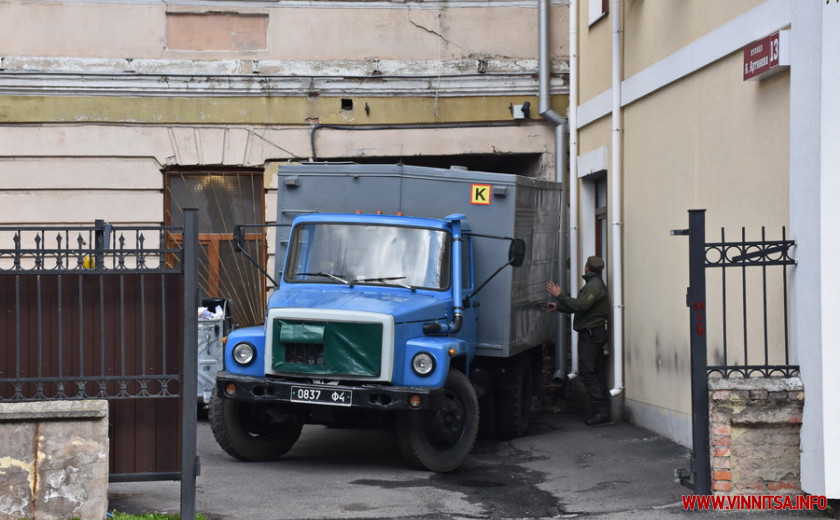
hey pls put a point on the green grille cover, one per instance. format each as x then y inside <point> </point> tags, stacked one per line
<point>348,348</point>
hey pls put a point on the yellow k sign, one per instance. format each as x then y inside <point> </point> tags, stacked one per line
<point>480,194</point>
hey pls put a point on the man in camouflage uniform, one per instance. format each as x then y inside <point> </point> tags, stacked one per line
<point>591,309</point>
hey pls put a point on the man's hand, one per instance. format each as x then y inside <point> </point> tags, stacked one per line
<point>554,289</point>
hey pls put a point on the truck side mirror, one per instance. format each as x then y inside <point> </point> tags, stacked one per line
<point>516,257</point>
<point>516,252</point>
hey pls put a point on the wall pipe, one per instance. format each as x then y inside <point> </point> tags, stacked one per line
<point>560,127</point>
<point>617,323</point>
<point>560,344</point>
<point>545,69</point>
<point>573,153</point>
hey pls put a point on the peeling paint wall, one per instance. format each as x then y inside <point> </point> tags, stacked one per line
<point>216,31</point>
<point>284,110</point>
<point>54,460</point>
<point>293,31</point>
<point>121,92</point>
<point>76,175</point>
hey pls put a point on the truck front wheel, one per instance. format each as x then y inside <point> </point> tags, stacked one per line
<point>440,440</point>
<point>245,430</point>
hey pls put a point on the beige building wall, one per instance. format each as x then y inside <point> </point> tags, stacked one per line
<point>99,100</point>
<point>286,31</point>
<point>661,27</point>
<point>708,140</point>
<point>121,91</point>
<point>594,51</point>
<point>73,175</point>
<point>685,149</point>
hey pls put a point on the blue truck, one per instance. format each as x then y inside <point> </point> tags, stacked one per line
<point>408,299</point>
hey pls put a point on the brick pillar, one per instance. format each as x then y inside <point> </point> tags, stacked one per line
<point>754,435</point>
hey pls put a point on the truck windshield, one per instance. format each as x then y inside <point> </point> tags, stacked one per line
<point>354,254</point>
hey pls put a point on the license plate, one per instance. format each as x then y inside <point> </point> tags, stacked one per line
<point>321,395</point>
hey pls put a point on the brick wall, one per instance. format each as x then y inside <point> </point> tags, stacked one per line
<point>755,435</point>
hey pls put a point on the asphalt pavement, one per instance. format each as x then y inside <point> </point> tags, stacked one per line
<point>561,469</point>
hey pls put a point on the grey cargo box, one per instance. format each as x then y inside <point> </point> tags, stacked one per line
<point>497,204</point>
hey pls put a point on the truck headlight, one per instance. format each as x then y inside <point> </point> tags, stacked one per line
<point>423,363</point>
<point>244,353</point>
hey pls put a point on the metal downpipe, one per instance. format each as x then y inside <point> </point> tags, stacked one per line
<point>617,323</point>
<point>573,182</point>
<point>560,128</point>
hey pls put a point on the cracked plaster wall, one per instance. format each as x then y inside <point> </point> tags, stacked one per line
<point>54,460</point>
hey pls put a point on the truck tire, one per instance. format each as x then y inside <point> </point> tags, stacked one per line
<point>487,409</point>
<point>514,401</point>
<point>239,430</point>
<point>440,440</point>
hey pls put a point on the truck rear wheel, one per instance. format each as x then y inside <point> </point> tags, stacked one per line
<point>440,440</point>
<point>245,431</point>
<point>514,400</point>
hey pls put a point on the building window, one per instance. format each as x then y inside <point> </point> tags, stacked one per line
<point>597,10</point>
<point>224,199</point>
<point>601,230</point>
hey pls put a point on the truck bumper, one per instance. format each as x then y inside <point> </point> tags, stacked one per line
<point>369,396</point>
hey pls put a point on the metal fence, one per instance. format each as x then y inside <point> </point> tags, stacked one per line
<point>108,312</point>
<point>744,257</point>
<point>740,258</point>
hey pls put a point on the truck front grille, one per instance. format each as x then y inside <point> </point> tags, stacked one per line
<point>305,353</point>
<point>326,348</point>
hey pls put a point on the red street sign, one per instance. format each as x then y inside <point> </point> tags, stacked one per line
<point>762,57</point>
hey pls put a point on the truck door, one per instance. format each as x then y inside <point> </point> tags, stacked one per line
<point>469,330</point>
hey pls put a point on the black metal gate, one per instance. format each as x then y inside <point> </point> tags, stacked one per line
<point>107,312</point>
<point>768,291</point>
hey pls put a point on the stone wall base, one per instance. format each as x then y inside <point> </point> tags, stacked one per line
<point>54,460</point>
<point>754,435</point>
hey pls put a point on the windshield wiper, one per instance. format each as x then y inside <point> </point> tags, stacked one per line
<point>385,279</point>
<point>327,275</point>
